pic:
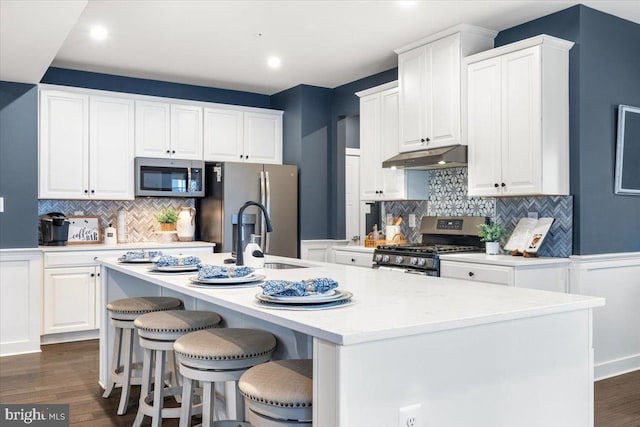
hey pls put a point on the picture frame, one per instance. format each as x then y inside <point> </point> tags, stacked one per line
<point>84,229</point>
<point>627,179</point>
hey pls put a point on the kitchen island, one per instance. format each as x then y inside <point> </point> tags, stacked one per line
<point>467,353</point>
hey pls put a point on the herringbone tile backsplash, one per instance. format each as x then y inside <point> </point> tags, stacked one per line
<point>448,196</point>
<point>141,212</point>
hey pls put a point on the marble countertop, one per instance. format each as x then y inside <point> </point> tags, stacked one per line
<point>506,260</point>
<point>125,246</point>
<point>386,304</point>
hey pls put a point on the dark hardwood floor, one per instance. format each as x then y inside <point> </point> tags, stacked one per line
<point>67,373</point>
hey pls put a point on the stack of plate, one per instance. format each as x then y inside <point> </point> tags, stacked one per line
<point>249,279</point>
<point>314,301</point>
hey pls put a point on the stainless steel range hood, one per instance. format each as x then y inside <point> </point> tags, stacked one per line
<point>436,158</point>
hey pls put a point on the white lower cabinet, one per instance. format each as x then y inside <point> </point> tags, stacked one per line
<point>546,276</point>
<point>353,257</point>
<point>70,299</point>
<point>71,289</point>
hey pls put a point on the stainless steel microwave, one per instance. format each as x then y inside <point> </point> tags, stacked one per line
<point>169,177</point>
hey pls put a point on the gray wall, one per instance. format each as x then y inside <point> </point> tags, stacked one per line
<point>604,70</point>
<point>19,165</point>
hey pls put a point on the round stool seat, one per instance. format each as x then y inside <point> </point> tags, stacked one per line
<point>231,348</point>
<point>280,387</point>
<point>130,308</point>
<point>171,324</point>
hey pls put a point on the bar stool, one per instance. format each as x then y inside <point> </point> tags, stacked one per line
<point>123,312</point>
<point>279,393</point>
<point>158,331</point>
<point>219,355</point>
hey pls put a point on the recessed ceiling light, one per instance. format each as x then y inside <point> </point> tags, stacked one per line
<point>442,162</point>
<point>99,33</point>
<point>274,62</point>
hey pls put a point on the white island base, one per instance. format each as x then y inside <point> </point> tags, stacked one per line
<point>469,354</point>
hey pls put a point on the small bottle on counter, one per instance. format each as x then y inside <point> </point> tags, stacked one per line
<point>110,236</point>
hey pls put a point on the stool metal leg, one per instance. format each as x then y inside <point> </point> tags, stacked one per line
<point>208,398</point>
<point>187,396</point>
<point>115,362</point>
<point>147,367</point>
<point>158,389</point>
<point>127,350</point>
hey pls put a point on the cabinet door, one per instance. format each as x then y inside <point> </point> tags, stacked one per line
<point>392,180</point>
<point>111,148</point>
<point>484,124</point>
<point>153,129</point>
<point>69,299</point>
<point>412,75</point>
<point>223,135</point>
<point>186,132</point>
<point>443,93</point>
<point>521,122</point>
<point>64,146</point>
<point>370,165</point>
<point>263,138</point>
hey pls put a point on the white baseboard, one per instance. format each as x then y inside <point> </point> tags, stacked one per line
<point>70,337</point>
<point>617,367</point>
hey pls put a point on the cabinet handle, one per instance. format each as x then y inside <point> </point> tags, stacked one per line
<point>353,260</point>
<point>86,191</point>
<point>98,274</point>
<point>173,151</point>
<point>421,139</point>
<point>428,139</point>
<point>496,185</point>
<point>246,157</point>
<point>381,191</point>
<point>93,191</point>
<point>95,258</point>
<point>471,274</point>
<point>241,156</point>
<point>93,275</point>
<point>168,152</point>
<point>503,185</point>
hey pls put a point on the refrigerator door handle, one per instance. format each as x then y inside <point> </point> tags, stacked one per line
<point>268,206</point>
<point>263,201</point>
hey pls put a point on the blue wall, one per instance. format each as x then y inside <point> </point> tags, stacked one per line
<point>19,165</point>
<point>344,102</point>
<point>604,66</point>
<point>85,79</point>
<point>306,125</point>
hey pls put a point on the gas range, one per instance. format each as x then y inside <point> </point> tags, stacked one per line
<point>439,235</point>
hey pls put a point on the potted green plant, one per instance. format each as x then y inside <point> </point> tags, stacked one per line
<point>491,234</point>
<point>167,219</point>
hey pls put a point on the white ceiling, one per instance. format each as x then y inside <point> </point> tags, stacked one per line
<point>322,43</point>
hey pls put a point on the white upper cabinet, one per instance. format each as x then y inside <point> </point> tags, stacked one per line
<point>83,141</point>
<point>518,119</point>
<point>111,148</point>
<point>153,129</point>
<point>243,135</point>
<point>64,145</point>
<point>378,142</point>
<point>165,130</point>
<point>186,132</point>
<point>431,86</point>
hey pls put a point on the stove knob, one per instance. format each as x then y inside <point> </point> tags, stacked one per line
<point>414,261</point>
<point>378,258</point>
<point>385,258</point>
<point>399,259</point>
<point>422,262</point>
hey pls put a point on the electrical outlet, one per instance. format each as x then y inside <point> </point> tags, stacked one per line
<point>533,215</point>
<point>1,204</point>
<point>409,416</point>
<point>412,220</point>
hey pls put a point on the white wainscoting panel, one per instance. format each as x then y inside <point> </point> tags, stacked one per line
<point>615,277</point>
<point>20,300</point>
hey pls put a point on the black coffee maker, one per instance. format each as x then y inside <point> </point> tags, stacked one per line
<point>53,229</point>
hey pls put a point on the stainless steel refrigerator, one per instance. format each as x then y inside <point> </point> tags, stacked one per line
<point>229,185</point>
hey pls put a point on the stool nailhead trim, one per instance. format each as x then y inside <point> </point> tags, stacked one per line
<point>237,357</point>
<point>152,310</point>
<point>178,330</point>
<point>274,403</point>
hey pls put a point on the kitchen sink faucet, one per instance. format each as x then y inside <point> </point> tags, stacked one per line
<point>240,236</point>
